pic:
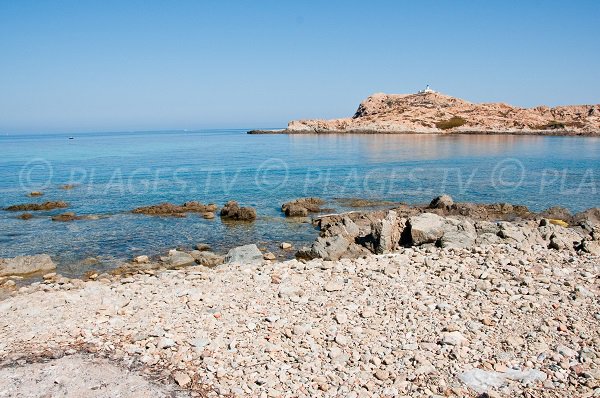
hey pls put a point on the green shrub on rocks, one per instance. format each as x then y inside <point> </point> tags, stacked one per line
<point>453,122</point>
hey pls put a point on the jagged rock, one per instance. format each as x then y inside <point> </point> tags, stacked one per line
<point>592,247</point>
<point>248,254</point>
<point>341,226</point>
<point>458,233</point>
<point>510,231</point>
<point>233,211</point>
<point>386,233</point>
<point>441,202</point>
<point>327,248</point>
<point>38,206</point>
<point>207,258</point>
<point>425,228</point>
<point>22,265</point>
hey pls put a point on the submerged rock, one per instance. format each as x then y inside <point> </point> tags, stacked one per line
<point>233,211</point>
<point>38,206</point>
<point>22,265</point>
<point>34,194</point>
<point>65,217</point>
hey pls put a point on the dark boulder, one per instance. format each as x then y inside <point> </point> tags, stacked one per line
<point>233,211</point>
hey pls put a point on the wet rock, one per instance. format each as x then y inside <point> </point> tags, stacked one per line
<point>441,202</point>
<point>207,258</point>
<point>23,265</point>
<point>66,217</point>
<point>269,256</point>
<point>172,210</point>
<point>25,216</point>
<point>301,207</point>
<point>68,186</point>
<point>233,211</point>
<point>141,259</point>
<point>34,194</point>
<point>286,245</point>
<point>425,228</point>
<point>178,259</point>
<point>248,254</point>
<point>38,206</point>
<point>203,247</point>
<point>209,215</point>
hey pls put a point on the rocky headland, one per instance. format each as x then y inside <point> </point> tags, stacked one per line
<point>433,112</point>
<point>441,300</point>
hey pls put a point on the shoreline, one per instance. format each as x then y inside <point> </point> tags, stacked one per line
<point>541,133</point>
<point>361,215</point>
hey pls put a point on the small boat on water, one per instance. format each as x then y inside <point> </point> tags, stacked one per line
<point>71,138</point>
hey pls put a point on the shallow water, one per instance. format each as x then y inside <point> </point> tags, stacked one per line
<point>116,172</point>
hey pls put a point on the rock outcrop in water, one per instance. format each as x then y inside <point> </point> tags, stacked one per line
<point>38,206</point>
<point>452,225</point>
<point>171,210</point>
<point>301,207</point>
<point>233,211</point>
<point>438,113</point>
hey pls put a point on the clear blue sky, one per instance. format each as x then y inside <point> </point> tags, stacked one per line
<point>139,65</point>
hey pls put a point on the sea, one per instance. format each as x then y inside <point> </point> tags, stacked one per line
<point>115,172</point>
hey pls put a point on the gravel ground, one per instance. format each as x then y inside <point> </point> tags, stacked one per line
<point>421,322</point>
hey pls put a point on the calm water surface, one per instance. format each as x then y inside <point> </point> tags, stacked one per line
<point>116,172</point>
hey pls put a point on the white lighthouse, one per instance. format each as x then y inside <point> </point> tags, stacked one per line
<point>427,90</point>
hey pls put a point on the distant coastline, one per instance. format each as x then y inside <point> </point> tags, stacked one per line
<point>430,112</point>
<point>556,133</point>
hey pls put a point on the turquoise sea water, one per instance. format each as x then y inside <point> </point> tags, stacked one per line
<point>116,172</point>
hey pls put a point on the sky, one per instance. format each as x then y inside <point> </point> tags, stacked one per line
<point>154,65</point>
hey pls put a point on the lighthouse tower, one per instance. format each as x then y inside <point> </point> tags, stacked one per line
<point>427,90</point>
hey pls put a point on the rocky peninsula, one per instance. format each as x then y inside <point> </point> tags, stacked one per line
<point>432,112</point>
<point>442,300</point>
